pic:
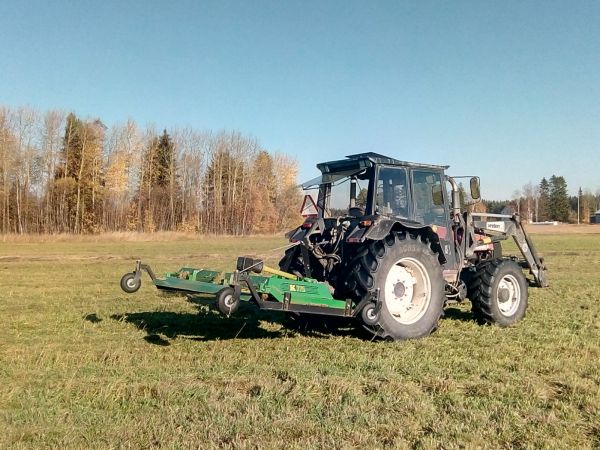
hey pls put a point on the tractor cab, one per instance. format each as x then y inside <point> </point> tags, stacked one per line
<point>369,184</point>
<point>373,195</point>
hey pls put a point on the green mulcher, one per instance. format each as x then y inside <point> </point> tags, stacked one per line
<point>272,292</point>
<point>387,242</point>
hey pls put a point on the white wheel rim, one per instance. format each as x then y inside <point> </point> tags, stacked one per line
<point>508,295</point>
<point>407,291</point>
<point>371,314</point>
<point>228,300</point>
<point>131,283</point>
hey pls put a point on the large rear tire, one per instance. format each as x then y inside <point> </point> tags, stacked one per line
<point>499,293</point>
<point>411,286</point>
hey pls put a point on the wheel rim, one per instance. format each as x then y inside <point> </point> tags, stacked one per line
<point>131,283</point>
<point>407,291</point>
<point>228,301</point>
<point>508,294</point>
<point>370,314</point>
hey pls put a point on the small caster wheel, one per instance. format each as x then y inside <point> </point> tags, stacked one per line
<point>129,283</point>
<point>368,314</point>
<point>227,304</point>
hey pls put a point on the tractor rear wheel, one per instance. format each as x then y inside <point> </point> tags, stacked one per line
<point>411,286</point>
<point>499,292</point>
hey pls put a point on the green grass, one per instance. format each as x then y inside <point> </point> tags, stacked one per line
<point>84,365</point>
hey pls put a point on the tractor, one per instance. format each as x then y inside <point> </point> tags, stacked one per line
<point>387,243</point>
<point>394,237</point>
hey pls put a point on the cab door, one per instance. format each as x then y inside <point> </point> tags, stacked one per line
<point>428,210</point>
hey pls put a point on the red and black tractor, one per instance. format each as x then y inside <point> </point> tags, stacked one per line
<point>394,238</point>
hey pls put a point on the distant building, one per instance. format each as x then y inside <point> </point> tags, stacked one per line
<point>595,218</point>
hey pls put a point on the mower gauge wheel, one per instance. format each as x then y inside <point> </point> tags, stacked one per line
<point>227,304</point>
<point>129,283</point>
<point>368,314</point>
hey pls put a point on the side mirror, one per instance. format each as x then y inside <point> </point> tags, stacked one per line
<point>437,195</point>
<point>475,192</point>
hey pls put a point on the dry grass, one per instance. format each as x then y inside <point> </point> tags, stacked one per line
<point>83,365</point>
<point>170,236</point>
<point>564,228</point>
<point>121,236</point>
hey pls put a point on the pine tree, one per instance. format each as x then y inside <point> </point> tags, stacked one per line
<point>163,161</point>
<point>80,175</point>
<point>495,206</point>
<point>559,200</point>
<point>159,194</point>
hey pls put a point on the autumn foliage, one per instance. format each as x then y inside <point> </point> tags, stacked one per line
<point>62,174</point>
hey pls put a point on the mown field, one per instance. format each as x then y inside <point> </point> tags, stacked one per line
<point>83,365</point>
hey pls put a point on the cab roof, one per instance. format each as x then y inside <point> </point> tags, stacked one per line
<point>364,160</point>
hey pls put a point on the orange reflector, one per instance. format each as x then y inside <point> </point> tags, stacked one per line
<point>365,223</point>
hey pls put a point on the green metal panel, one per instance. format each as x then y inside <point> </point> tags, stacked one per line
<point>191,280</point>
<point>201,281</point>
<point>257,280</point>
<point>302,292</point>
<point>190,273</point>
<point>200,287</point>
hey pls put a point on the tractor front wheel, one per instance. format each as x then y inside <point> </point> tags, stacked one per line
<point>499,293</point>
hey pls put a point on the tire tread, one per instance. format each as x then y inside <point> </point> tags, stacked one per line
<point>482,288</point>
<point>362,275</point>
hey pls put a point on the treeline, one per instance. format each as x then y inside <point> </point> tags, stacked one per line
<point>549,201</point>
<point>62,174</point>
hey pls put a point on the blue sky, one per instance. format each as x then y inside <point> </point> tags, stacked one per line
<point>507,90</point>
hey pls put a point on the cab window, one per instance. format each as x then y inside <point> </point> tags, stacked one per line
<point>392,197</point>
<point>425,184</point>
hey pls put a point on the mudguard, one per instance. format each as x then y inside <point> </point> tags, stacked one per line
<point>383,226</point>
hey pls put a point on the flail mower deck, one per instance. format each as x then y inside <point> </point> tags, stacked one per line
<point>276,291</point>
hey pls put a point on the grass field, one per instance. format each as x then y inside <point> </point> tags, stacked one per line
<point>83,365</point>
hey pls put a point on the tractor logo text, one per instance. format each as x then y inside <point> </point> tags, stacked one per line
<point>296,288</point>
<point>498,226</point>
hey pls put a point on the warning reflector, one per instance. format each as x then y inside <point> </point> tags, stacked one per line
<point>309,207</point>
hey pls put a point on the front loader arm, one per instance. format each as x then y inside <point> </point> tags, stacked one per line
<point>506,226</point>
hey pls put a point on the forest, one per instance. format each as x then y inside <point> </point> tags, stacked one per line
<point>60,173</point>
